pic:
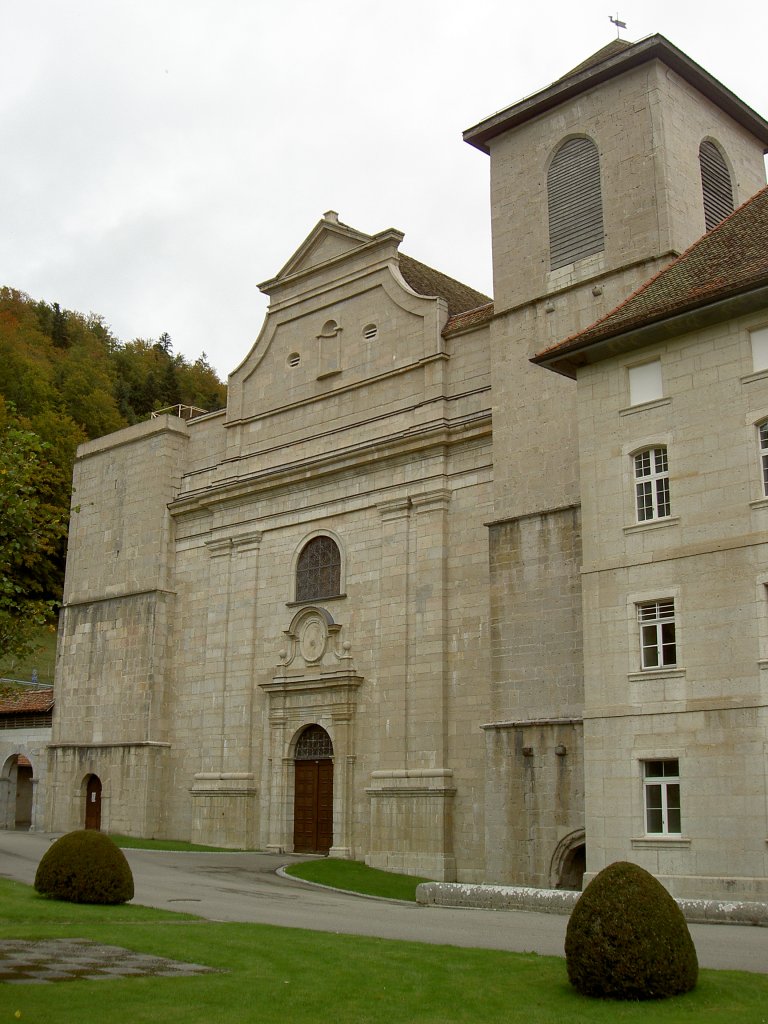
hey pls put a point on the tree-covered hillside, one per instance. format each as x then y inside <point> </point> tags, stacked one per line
<point>65,379</point>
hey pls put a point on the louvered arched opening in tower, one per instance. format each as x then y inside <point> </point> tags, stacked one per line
<point>575,203</point>
<point>716,184</point>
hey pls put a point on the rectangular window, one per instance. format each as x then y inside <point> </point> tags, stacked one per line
<point>763,428</point>
<point>661,783</point>
<point>657,634</point>
<point>759,340</point>
<point>645,383</point>
<point>652,484</point>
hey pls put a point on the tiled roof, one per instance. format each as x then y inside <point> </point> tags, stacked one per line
<point>426,281</point>
<point>26,701</point>
<point>472,318</point>
<point>615,46</point>
<point>728,261</point>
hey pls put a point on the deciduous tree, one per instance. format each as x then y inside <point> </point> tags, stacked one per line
<point>30,530</point>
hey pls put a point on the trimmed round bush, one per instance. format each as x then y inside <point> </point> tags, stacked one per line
<point>628,939</point>
<point>85,867</point>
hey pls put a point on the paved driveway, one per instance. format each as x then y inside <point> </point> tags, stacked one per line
<point>245,887</point>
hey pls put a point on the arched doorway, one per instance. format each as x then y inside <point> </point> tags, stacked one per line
<point>23,816</point>
<point>93,802</point>
<point>574,866</point>
<point>569,862</point>
<point>313,792</point>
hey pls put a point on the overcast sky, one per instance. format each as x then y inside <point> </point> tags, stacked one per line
<point>160,158</point>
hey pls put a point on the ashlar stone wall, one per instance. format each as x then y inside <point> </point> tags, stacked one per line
<point>709,556</point>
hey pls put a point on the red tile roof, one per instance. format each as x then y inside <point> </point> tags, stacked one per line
<point>472,318</point>
<point>26,701</point>
<point>729,261</point>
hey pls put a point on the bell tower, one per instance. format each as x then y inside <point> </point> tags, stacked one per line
<point>597,182</point>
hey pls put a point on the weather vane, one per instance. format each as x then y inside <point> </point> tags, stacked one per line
<point>619,24</point>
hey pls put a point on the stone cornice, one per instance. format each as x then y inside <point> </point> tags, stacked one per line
<point>123,595</point>
<point>437,434</point>
<point>123,744</point>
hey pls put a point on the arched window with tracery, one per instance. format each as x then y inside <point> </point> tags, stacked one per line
<point>313,743</point>
<point>318,570</point>
<point>716,185</point>
<point>575,203</point>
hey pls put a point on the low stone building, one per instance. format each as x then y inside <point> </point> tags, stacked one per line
<point>355,611</point>
<point>25,732</point>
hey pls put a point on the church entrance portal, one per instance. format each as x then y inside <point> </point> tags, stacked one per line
<point>313,792</point>
<point>93,802</point>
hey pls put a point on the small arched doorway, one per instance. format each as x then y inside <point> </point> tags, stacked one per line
<point>313,792</point>
<point>23,815</point>
<point>569,862</point>
<point>574,866</point>
<point>93,802</point>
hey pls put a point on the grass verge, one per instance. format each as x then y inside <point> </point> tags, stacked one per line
<point>291,976</point>
<point>176,845</point>
<point>354,876</point>
<point>42,659</point>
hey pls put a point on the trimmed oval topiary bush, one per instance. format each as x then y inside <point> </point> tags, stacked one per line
<point>85,867</point>
<point>628,939</point>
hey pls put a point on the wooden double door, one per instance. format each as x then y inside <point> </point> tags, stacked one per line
<point>313,806</point>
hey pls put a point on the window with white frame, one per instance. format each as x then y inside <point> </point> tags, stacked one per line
<point>758,340</point>
<point>645,383</point>
<point>661,786</point>
<point>658,647</point>
<point>652,484</point>
<point>763,435</point>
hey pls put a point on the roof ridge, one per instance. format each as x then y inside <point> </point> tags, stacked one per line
<point>604,53</point>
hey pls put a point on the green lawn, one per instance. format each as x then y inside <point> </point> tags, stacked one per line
<point>355,876</point>
<point>43,659</point>
<point>287,976</point>
<point>176,845</point>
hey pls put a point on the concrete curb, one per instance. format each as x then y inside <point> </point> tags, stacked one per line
<point>282,873</point>
<point>560,901</point>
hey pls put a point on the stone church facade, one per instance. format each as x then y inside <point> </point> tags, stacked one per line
<point>356,611</point>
